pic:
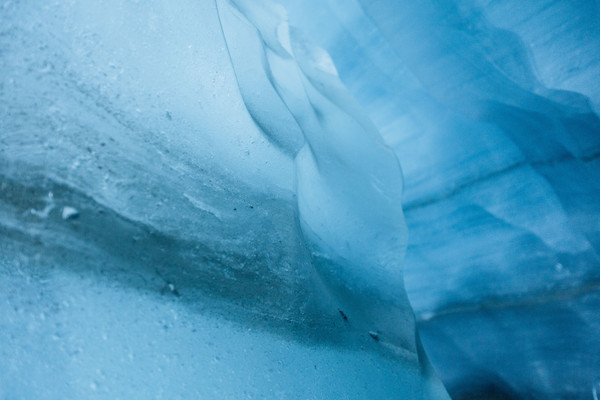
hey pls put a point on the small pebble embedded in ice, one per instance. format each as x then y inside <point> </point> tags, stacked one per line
<point>170,288</point>
<point>69,213</point>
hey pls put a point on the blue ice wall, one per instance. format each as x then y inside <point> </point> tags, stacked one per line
<point>198,202</point>
<point>492,107</point>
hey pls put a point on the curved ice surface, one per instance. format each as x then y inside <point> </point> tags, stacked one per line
<point>349,184</point>
<point>492,106</point>
<point>238,228</point>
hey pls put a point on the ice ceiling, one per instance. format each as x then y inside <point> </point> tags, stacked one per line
<point>198,200</point>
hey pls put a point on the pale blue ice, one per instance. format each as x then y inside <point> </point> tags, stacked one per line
<point>318,199</point>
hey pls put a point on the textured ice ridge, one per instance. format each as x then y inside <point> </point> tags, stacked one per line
<point>348,182</point>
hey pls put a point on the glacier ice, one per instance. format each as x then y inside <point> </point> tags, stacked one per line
<point>192,203</point>
<point>194,206</point>
<point>348,183</point>
<point>492,107</point>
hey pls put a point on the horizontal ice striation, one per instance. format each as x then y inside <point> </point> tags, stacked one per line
<point>492,108</point>
<point>192,206</point>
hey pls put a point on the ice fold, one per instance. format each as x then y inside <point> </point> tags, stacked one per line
<point>349,183</point>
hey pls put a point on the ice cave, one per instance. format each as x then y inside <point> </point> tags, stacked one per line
<point>300,199</point>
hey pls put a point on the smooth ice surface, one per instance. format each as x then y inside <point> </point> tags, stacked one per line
<point>193,206</point>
